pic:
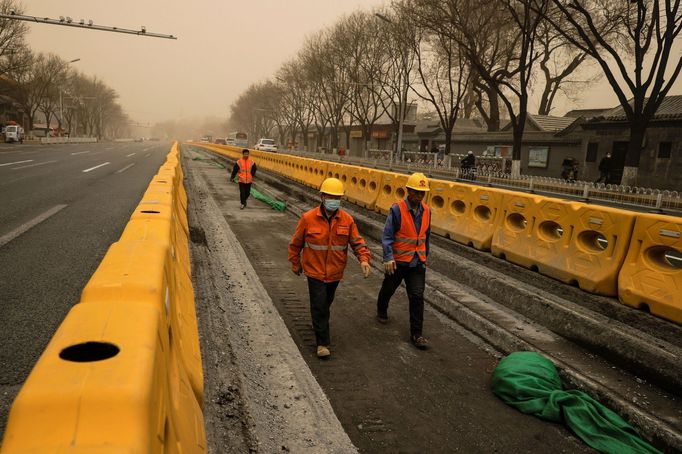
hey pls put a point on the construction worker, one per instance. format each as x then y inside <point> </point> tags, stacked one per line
<point>319,249</point>
<point>405,243</point>
<point>246,169</point>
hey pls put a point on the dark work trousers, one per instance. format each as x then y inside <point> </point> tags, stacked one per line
<point>244,192</point>
<point>321,299</point>
<point>415,279</point>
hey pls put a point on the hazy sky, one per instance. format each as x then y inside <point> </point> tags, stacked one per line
<point>223,46</point>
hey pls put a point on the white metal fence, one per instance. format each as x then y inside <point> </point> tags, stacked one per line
<point>496,172</point>
<point>50,140</point>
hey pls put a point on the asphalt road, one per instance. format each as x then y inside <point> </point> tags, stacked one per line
<point>61,206</point>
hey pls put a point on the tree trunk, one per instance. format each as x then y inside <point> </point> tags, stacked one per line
<point>494,114</point>
<point>448,139</point>
<point>517,143</point>
<point>637,131</point>
<point>334,143</point>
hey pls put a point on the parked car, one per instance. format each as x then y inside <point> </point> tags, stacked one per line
<point>220,141</point>
<point>266,145</point>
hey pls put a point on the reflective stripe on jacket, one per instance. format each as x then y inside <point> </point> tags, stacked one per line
<point>321,247</point>
<point>245,167</point>
<point>407,240</point>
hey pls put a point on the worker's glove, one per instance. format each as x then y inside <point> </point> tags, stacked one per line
<point>365,269</point>
<point>389,267</point>
<point>296,269</point>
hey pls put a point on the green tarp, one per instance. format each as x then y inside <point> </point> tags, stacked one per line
<point>529,382</point>
<point>274,203</point>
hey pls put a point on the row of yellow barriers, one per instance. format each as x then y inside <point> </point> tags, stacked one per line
<point>123,372</point>
<point>607,251</point>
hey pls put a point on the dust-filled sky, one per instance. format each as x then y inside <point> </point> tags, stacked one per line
<point>223,46</point>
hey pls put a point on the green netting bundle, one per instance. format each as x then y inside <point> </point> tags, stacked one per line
<point>529,382</point>
<point>274,203</point>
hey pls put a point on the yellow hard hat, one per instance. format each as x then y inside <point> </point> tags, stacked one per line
<point>332,186</point>
<point>418,182</point>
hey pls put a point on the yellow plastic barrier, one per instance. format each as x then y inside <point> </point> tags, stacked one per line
<point>392,191</point>
<point>651,277</point>
<point>468,213</point>
<point>103,385</point>
<point>438,200</point>
<point>570,241</point>
<point>364,186</point>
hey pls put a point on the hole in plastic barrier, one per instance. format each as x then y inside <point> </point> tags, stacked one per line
<point>387,189</point>
<point>483,213</point>
<point>551,231</point>
<point>517,222</point>
<point>373,186</point>
<point>437,201</point>
<point>89,352</point>
<point>666,258</point>
<point>400,193</point>
<point>151,211</point>
<point>593,241</point>
<point>363,183</point>
<point>458,207</point>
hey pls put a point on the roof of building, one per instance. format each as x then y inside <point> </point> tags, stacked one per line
<point>587,113</point>
<point>670,109</point>
<point>545,123</point>
<point>432,126</point>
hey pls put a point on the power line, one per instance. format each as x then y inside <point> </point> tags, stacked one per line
<point>68,22</point>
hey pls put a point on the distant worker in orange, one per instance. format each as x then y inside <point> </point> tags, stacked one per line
<point>319,248</point>
<point>246,169</point>
<point>405,242</point>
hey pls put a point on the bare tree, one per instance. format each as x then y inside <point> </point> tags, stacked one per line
<point>443,73</point>
<point>641,78</point>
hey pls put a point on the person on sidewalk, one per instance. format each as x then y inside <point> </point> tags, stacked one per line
<point>246,169</point>
<point>319,249</point>
<point>605,169</point>
<point>405,243</point>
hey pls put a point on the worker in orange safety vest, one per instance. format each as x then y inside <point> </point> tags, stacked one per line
<point>319,249</point>
<point>245,168</point>
<point>405,243</point>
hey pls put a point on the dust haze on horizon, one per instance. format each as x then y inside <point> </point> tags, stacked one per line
<point>222,47</point>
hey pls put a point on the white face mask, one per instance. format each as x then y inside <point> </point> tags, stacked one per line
<point>332,205</point>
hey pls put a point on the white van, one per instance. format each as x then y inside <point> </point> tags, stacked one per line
<point>14,133</point>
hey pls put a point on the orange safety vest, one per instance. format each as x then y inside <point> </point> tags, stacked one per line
<point>245,170</point>
<point>407,241</point>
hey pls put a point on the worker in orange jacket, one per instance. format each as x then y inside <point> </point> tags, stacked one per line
<point>246,169</point>
<point>319,249</point>
<point>405,242</point>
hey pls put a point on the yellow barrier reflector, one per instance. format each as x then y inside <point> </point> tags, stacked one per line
<point>392,191</point>
<point>99,386</point>
<point>364,186</point>
<point>651,277</point>
<point>569,241</point>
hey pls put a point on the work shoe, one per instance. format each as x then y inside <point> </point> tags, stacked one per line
<point>420,342</point>
<point>241,207</point>
<point>382,318</point>
<point>322,351</point>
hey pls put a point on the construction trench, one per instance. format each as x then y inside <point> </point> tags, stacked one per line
<point>264,383</point>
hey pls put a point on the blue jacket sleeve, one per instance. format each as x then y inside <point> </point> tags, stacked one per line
<point>392,226</point>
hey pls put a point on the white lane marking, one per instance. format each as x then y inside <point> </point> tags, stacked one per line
<point>109,148</point>
<point>148,148</point>
<point>147,155</point>
<point>33,165</point>
<point>28,225</point>
<point>80,152</point>
<point>125,168</point>
<point>16,162</point>
<point>96,167</point>
<point>129,155</point>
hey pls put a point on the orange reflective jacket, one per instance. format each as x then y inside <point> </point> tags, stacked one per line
<point>321,247</point>
<point>407,240</point>
<point>245,166</point>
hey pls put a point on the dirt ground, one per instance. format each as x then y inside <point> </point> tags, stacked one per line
<point>388,396</point>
